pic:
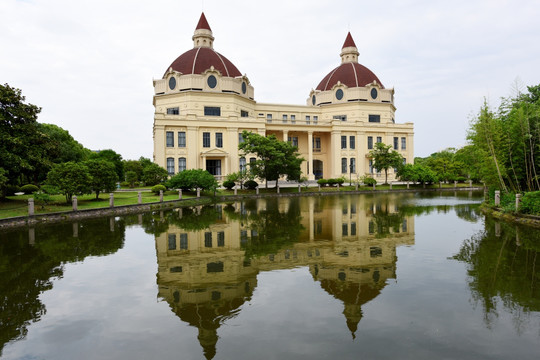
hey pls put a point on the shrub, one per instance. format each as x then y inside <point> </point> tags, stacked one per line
<point>461,179</point>
<point>29,189</point>
<point>124,184</point>
<point>42,198</point>
<point>332,182</point>
<point>228,184</point>
<point>508,202</point>
<point>530,203</point>
<point>192,179</point>
<point>251,184</point>
<point>340,180</point>
<point>12,189</point>
<point>50,189</point>
<point>369,181</point>
<point>157,188</point>
<point>322,182</point>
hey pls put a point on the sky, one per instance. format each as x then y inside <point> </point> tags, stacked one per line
<point>90,64</point>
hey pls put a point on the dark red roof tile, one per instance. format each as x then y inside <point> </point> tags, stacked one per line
<point>349,74</point>
<point>203,24</point>
<point>200,59</point>
<point>348,41</point>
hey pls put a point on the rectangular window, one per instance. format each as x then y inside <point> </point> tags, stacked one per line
<point>206,139</point>
<point>244,113</point>
<point>219,140</point>
<point>340,117</point>
<point>379,139</point>
<point>173,111</point>
<point>396,140</point>
<point>181,164</point>
<point>172,241</point>
<point>374,118</point>
<point>284,118</point>
<point>242,163</point>
<point>252,160</point>
<point>371,166</point>
<point>344,229</point>
<point>293,140</point>
<point>183,241</point>
<point>353,228</point>
<point>170,166</point>
<point>315,119</point>
<point>221,239</point>
<point>181,139</point>
<point>293,119</point>
<point>352,142</point>
<point>370,142</point>
<point>316,144</point>
<point>208,239</point>
<point>240,138</point>
<point>343,142</point>
<point>403,143</point>
<point>308,119</point>
<point>170,138</point>
<point>343,165</point>
<point>269,118</point>
<point>212,111</point>
<point>352,165</point>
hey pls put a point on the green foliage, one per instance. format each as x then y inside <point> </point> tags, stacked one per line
<point>445,164</point>
<point>369,181</point>
<point>112,157</point>
<point>131,178</point>
<point>339,180</point>
<point>251,184</point>
<point>193,179</point>
<point>103,175</point>
<point>228,184</point>
<point>508,202</point>
<point>134,166</point>
<point>417,173</point>
<point>65,148</point>
<point>275,158</point>
<point>322,182</point>
<point>3,182</point>
<point>42,198</point>
<point>71,179</point>
<point>331,182</point>
<point>157,188</point>
<point>384,158</point>
<point>10,190</point>
<point>530,203</point>
<point>29,189</point>
<point>154,174</point>
<point>50,189</point>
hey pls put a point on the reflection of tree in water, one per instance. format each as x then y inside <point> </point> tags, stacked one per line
<point>27,267</point>
<point>502,261</point>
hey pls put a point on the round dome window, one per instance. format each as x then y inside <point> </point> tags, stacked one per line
<point>339,94</point>
<point>374,93</point>
<point>172,83</point>
<point>212,81</point>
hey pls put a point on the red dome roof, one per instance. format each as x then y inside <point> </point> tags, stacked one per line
<point>350,74</point>
<point>199,59</point>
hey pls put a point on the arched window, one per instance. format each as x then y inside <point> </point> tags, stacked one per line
<point>170,166</point>
<point>181,164</point>
<point>242,163</point>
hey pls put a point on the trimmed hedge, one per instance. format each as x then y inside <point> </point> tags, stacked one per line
<point>29,189</point>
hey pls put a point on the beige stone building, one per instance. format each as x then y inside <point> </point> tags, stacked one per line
<point>203,103</point>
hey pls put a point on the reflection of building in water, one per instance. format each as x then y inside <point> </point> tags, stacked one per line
<point>348,243</point>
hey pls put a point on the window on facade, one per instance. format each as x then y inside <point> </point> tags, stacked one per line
<point>172,241</point>
<point>316,144</point>
<point>374,118</point>
<point>208,239</point>
<point>352,142</point>
<point>170,138</point>
<point>344,229</point>
<point>403,143</point>
<point>244,113</point>
<point>181,164</point>
<point>183,241</point>
<point>214,267</point>
<point>315,119</point>
<point>352,165</point>
<point>181,139</point>
<point>340,117</point>
<point>252,160</point>
<point>220,239</point>
<point>343,142</point>
<point>242,163</point>
<point>284,118</point>
<point>173,111</point>
<point>308,119</point>
<point>293,119</point>
<point>371,166</point>
<point>212,111</point>
<point>170,166</point>
<point>293,140</point>
<point>396,143</point>
<point>240,138</point>
<point>353,228</point>
<point>379,139</point>
<point>370,142</point>
<point>206,139</point>
<point>219,140</point>
<point>343,165</point>
<point>269,117</point>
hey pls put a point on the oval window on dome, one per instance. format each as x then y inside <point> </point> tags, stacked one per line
<point>244,88</point>
<point>313,100</point>
<point>172,83</point>
<point>339,94</point>
<point>212,81</point>
<point>374,93</point>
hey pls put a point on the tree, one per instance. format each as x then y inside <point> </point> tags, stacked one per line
<point>65,147</point>
<point>154,174</point>
<point>113,157</point>
<point>275,158</point>
<point>134,166</point>
<point>3,182</point>
<point>71,179</point>
<point>131,178</point>
<point>193,179</point>
<point>385,158</point>
<point>103,176</point>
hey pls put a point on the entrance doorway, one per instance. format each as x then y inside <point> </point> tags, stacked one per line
<point>318,169</point>
<point>213,167</point>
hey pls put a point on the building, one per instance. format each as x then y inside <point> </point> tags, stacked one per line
<point>203,103</point>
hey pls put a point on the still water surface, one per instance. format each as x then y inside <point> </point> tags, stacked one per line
<point>403,276</point>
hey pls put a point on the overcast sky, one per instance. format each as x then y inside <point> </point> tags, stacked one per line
<point>90,64</point>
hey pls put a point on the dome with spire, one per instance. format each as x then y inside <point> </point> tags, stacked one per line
<point>350,72</point>
<point>203,56</point>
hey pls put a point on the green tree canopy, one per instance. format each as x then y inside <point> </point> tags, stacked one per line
<point>275,158</point>
<point>71,179</point>
<point>113,157</point>
<point>384,158</point>
<point>154,174</point>
<point>193,179</point>
<point>103,176</point>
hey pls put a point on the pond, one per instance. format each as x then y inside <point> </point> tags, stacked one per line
<point>377,276</point>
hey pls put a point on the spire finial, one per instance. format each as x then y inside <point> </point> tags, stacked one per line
<point>349,51</point>
<point>203,34</point>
